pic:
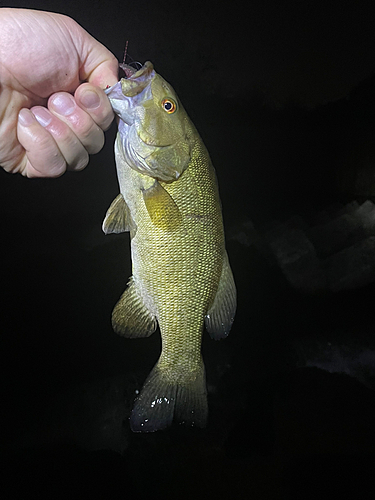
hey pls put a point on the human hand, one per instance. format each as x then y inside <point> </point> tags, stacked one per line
<point>49,120</point>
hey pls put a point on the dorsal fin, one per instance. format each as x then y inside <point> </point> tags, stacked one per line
<point>220,317</point>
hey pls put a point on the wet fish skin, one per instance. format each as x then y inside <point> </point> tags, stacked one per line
<point>169,201</point>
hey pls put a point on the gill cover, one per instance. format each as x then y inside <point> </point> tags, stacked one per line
<point>154,130</point>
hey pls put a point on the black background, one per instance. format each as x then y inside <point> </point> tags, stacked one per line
<point>282,94</point>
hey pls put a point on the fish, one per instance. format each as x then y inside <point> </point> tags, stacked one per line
<point>181,277</point>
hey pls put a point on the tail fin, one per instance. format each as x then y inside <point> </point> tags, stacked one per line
<point>162,400</point>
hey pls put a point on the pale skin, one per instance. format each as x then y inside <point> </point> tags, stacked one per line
<point>53,109</point>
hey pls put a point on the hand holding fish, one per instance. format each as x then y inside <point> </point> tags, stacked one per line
<point>50,120</point>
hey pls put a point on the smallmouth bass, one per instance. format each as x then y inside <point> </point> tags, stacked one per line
<point>182,280</point>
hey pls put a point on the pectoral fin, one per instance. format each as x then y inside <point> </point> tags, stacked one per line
<point>130,316</point>
<point>118,218</point>
<point>220,317</point>
<point>162,209</point>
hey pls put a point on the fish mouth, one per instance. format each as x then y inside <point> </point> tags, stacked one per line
<point>132,73</point>
<point>127,69</point>
<point>129,93</point>
<point>137,81</point>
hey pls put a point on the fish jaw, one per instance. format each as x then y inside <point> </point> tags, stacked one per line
<point>138,101</point>
<point>129,93</point>
<point>138,81</point>
<point>128,108</point>
<point>128,97</point>
<point>165,162</point>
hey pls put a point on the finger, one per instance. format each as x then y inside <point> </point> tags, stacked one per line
<point>43,157</point>
<point>75,155</point>
<point>94,101</point>
<point>64,106</point>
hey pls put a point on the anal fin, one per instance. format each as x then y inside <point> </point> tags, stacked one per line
<point>130,316</point>
<point>220,317</point>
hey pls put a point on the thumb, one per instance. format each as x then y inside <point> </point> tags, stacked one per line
<point>99,66</point>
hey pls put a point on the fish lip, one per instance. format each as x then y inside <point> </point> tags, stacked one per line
<point>137,82</point>
<point>142,73</point>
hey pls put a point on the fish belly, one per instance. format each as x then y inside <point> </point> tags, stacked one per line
<point>176,272</point>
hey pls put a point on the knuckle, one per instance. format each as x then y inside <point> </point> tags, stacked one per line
<point>46,167</point>
<point>107,119</point>
<point>83,164</point>
<point>102,114</point>
<point>42,155</point>
<point>93,140</point>
<point>56,166</point>
<point>46,158</point>
<point>42,141</point>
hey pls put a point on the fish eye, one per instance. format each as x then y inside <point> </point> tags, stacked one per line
<point>168,105</point>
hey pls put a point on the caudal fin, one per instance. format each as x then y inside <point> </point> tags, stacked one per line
<point>162,400</point>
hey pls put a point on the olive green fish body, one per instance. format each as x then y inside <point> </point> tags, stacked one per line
<point>181,275</point>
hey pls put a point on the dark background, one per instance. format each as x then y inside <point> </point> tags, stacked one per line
<point>283,96</point>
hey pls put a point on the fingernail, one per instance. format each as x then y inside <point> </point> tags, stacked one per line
<point>90,99</point>
<point>25,117</point>
<point>63,104</point>
<point>43,116</point>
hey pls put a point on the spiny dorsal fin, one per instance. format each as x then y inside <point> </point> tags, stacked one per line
<point>118,218</point>
<point>161,207</point>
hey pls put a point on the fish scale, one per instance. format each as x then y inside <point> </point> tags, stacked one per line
<point>181,279</point>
